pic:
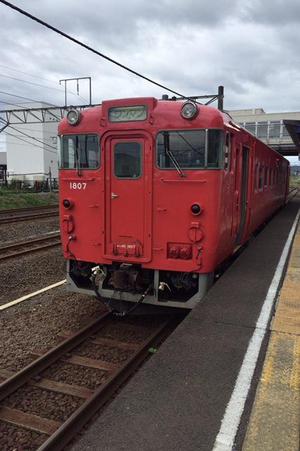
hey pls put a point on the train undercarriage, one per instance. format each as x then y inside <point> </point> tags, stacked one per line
<point>123,283</point>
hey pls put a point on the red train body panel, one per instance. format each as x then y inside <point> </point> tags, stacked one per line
<point>156,201</point>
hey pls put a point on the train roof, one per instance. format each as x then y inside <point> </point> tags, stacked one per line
<point>160,114</point>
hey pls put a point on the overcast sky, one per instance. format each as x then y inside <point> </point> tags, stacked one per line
<point>192,46</point>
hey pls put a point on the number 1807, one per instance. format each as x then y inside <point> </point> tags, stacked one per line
<point>77,185</point>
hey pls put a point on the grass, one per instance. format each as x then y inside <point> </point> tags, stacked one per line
<point>20,200</point>
<point>294,181</point>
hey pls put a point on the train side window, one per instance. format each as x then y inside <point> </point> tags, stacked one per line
<point>128,160</point>
<point>80,151</point>
<point>257,177</point>
<point>261,174</point>
<point>227,151</point>
<point>266,177</point>
<point>214,148</point>
<point>271,177</point>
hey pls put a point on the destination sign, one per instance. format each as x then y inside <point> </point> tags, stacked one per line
<point>127,113</point>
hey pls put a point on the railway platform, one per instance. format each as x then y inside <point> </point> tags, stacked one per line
<point>228,377</point>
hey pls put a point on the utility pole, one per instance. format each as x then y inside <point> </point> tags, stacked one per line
<point>50,180</point>
<point>77,79</point>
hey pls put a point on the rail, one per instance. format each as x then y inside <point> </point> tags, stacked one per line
<point>59,433</point>
<point>24,214</point>
<point>292,193</point>
<point>29,246</point>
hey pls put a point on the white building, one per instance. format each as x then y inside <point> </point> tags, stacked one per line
<point>32,149</point>
<point>2,157</point>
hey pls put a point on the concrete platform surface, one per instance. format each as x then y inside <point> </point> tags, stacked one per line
<point>275,418</point>
<point>178,398</point>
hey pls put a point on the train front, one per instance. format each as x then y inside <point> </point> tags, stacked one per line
<point>140,183</point>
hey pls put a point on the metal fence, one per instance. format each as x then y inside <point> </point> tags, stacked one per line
<point>29,185</point>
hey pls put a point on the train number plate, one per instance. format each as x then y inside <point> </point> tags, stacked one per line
<point>78,185</point>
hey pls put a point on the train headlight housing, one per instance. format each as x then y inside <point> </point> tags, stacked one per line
<point>67,204</point>
<point>73,117</point>
<point>189,110</point>
<point>196,209</point>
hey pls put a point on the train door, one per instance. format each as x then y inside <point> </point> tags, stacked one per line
<point>242,197</point>
<point>128,199</point>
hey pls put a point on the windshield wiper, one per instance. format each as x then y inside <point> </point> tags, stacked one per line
<point>77,159</point>
<point>170,154</point>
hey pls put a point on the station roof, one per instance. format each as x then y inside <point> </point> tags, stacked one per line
<point>293,127</point>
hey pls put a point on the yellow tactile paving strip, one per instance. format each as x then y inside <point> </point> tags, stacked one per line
<point>275,420</point>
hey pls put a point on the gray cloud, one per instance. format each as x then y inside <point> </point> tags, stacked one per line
<point>253,49</point>
<point>273,12</point>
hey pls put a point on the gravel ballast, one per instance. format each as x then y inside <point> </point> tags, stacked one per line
<point>23,275</point>
<point>43,403</point>
<point>36,325</point>
<point>76,375</point>
<point>18,231</point>
<point>13,438</point>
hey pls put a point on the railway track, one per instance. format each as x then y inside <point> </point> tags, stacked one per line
<point>29,246</point>
<point>25,214</point>
<point>45,407</point>
<point>292,193</point>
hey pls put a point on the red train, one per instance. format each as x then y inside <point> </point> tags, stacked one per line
<point>156,194</point>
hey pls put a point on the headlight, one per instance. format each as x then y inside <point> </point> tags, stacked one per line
<point>73,117</point>
<point>189,110</point>
<point>196,209</point>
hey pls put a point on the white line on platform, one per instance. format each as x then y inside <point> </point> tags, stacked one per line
<point>235,407</point>
<point>31,295</point>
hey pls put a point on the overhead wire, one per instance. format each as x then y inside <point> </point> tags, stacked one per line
<point>24,140</point>
<point>91,49</point>
<point>38,84</point>
<point>39,78</point>
<point>12,104</point>
<point>29,82</point>
<point>31,137</point>
<point>49,146</point>
<point>25,98</point>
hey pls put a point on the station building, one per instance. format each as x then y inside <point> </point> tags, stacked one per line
<point>279,130</point>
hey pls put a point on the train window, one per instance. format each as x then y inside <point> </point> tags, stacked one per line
<point>261,173</point>
<point>215,146</point>
<point>128,160</point>
<point>80,152</point>
<point>271,177</point>
<point>227,151</point>
<point>266,177</point>
<point>257,177</point>
<point>195,149</point>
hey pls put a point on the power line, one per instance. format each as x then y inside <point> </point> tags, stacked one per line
<point>40,78</point>
<point>27,127</point>
<point>32,137</point>
<point>91,49</point>
<point>30,82</point>
<point>27,73</point>
<point>24,140</point>
<point>37,84</point>
<point>12,104</point>
<point>26,98</point>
